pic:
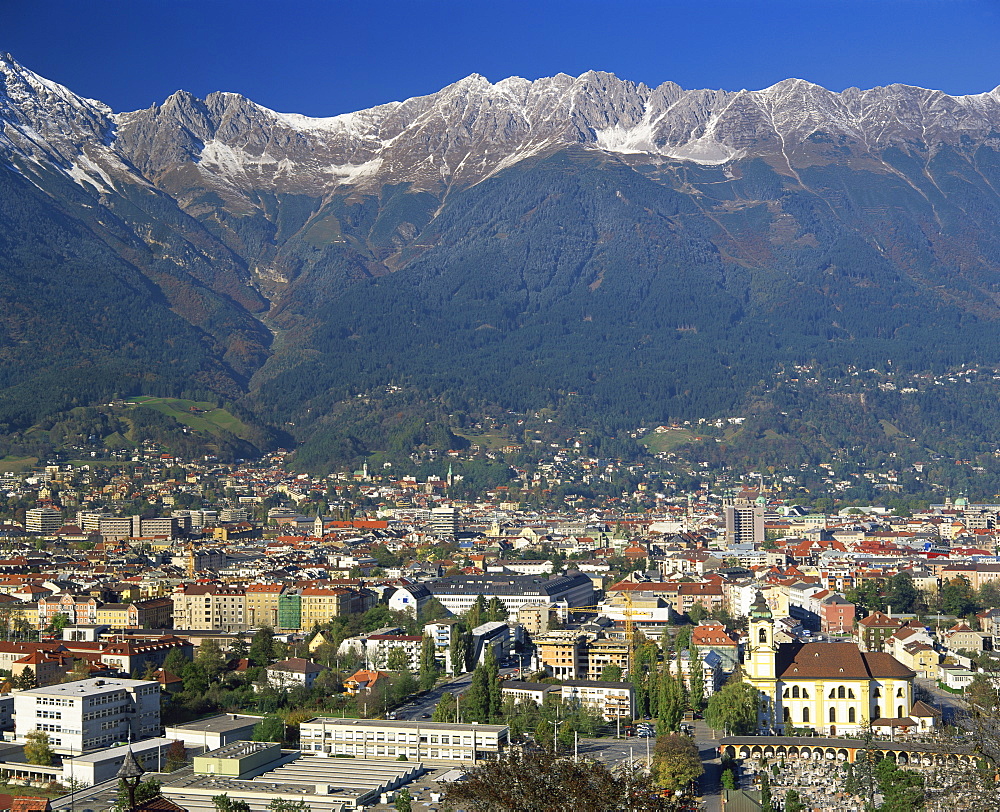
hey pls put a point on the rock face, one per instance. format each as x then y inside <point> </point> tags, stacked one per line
<point>470,130</point>
<point>503,228</point>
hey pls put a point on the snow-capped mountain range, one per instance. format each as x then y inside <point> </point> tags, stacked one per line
<point>472,129</point>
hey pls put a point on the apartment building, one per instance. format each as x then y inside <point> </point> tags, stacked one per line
<point>744,523</point>
<point>261,605</point>
<point>444,522</point>
<point>290,610</point>
<point>458,593</point>
<point>43,520</point>
<point>320,604</point>
<point>77,609</point>
<point>377,648</point>
<point>89,714</point>
<point>294,672</point>
<point>574,655</point>
<point>123,527</point>
<point>417,741</point>
<point>613,700</point>
<point>209,606</point>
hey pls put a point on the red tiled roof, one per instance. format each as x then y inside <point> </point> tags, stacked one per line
<point>836,661</point>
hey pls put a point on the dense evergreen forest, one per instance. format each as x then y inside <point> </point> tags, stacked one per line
<point>604,294</point>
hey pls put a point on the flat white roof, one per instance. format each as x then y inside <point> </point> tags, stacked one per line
<point>337,721</point>
<point>88,686</point>
<point>112,753</point>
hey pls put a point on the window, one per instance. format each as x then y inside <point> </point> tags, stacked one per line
<point>795,692</point>
<point>788,715</point>
<point>833,715</point>
<point>805,715</point>
<point>763,635</point>
<point>841,692</point>
<point>850,715</point>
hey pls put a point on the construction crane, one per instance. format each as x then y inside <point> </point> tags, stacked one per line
<point>628,612</point>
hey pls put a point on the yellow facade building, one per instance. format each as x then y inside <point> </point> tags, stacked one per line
<point>832,688</point>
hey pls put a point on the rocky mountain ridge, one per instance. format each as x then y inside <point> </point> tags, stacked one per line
<point>472,129</point>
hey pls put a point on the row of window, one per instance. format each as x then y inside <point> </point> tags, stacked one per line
<point>851,715</point>
<point>107,699</point>
<point>53,700</point>
<point>47,714</point>
<point>840,692</point>
<point>100,713</point>
<point>379,736</point>
<point>99,741</point>
<point>349,749</point>
<point>50,728</point>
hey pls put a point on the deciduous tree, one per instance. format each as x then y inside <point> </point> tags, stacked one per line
<point>540,780</point>
<point>734,708</point>
<point>676,762</point>
<point>262,646</point>
<point>37,749</point>
<point>223,803</point>
<point>696,678</point>
<point>428,664</point>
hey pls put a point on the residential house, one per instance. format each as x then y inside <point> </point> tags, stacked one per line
<point>293,672</point>
<point>365,681</point>
<point>711,636</point>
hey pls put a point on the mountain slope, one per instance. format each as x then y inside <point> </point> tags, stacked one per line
<point>621,253</point>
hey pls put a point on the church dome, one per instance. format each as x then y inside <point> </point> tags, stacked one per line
<point>759,609</point>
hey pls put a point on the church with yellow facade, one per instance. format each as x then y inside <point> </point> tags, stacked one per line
<point>832,688</point>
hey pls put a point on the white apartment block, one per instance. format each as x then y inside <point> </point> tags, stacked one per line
<point>418,741</point>
<point>89,521</point>
<point>89,714</point>
<point>42,520</point>
<point>613,700</point>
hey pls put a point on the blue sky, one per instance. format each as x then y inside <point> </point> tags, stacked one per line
<point>325,58</point>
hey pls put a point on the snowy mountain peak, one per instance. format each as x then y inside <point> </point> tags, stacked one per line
<point>473,128</point>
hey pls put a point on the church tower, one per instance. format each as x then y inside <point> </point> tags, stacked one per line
<point>761,654</point>
<point>760,663</point>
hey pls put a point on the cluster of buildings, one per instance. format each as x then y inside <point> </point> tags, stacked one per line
<point>574,585</point>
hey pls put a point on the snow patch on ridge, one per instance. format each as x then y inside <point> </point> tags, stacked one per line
<point>627,141</point>
<point>640,140</point>
<point>351,173</point>
<point>705,150</point>
<point>83,170</point>
<point>232,160</point>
